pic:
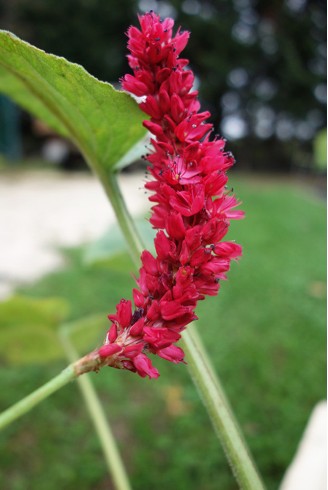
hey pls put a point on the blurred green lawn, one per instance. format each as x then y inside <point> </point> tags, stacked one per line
<point>266,336</point>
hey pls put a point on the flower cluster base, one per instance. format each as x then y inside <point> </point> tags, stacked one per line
<point>192,207</point>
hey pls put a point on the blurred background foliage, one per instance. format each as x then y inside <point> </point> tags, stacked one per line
<point>260,65</point>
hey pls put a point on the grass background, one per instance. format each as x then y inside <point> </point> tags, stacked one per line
<point>265,334</point>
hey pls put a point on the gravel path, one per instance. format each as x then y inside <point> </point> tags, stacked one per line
<point>41,211</point>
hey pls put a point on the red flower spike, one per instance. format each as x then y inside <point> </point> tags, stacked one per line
<point>192,208</point>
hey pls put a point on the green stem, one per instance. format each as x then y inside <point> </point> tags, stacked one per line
<point>220,413</point>
<point>90,362</point>
<point>203,376</point>
<point>27,403</point>
<point>98,417</point>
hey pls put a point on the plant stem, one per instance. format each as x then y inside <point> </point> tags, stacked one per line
<point>125,222</point>
<point>90,362</point>
<point>220,413</point>
<point>98,417</point>
<point>202,373</point>
<point>27,403</point>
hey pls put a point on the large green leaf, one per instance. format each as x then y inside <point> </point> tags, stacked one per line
<point>103,122</point>
<point>28,329</point>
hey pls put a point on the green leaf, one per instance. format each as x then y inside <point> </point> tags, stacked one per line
<point>133,154</point>
<point>28,329</point>
<point>103,122</point>
<point>112,243</point>
<point>320,149</point>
